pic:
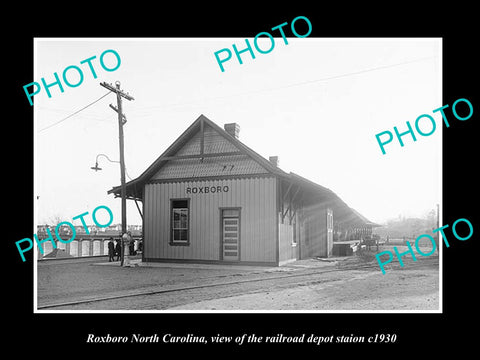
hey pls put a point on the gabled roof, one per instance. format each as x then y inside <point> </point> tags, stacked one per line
<point>342,212</point>
<point>134,187</point>
<point>315,192</point>
<point>364,220</point>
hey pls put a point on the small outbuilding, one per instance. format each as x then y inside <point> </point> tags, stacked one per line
<point>210,198</point>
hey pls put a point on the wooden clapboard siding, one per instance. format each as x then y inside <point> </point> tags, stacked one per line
<point>314,233</point>
<point>256,197</point>
<point>285,236</point>
<point>287,249</point>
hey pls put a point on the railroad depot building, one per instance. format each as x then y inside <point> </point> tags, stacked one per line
<point>210,198</point>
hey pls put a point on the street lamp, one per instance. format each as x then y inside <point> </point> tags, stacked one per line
<point>96,168</point>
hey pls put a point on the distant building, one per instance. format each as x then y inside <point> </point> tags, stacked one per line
<point>134,227</point>
<point>114,228</point>
<point>91,229</point>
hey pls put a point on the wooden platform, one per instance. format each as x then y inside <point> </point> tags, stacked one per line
<point>345,248</point>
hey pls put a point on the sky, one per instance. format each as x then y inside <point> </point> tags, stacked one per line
<point>316,103</point>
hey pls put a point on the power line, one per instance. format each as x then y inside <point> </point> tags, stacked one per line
<point>354,73</point>
<point>76,112</point>
<point>333,77</point>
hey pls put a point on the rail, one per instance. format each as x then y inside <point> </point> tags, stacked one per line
<point>134,293</point>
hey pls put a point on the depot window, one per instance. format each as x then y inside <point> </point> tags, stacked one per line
<point>180,216</point>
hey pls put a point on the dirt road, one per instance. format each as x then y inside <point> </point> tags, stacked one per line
<point>350,284</point>
<point>412,290</point>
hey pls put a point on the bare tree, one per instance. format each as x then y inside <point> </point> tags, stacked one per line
<point>54,220</point>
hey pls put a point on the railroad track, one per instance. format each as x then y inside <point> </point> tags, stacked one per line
<point>295,273</point>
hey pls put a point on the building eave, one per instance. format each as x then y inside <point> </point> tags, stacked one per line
<point>134,188</point>
<point>316,193</point>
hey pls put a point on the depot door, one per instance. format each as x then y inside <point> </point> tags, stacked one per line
<point>231,234</point>
<point>329,232</point>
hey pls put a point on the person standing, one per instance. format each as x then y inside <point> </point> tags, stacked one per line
<point>111,250</point>
<point>131,245</point>
<point>118,250</point>
<point>126,239</point>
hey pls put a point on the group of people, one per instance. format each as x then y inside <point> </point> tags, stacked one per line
<point>115,250</point>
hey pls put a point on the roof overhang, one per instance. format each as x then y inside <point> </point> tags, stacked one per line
<point>313,193</point>
<point>342,213</point>
<point>134,188</point>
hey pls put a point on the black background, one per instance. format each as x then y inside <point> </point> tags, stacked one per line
<point>60,335</point>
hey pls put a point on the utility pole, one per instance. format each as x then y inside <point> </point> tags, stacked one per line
<point>121,121</point>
